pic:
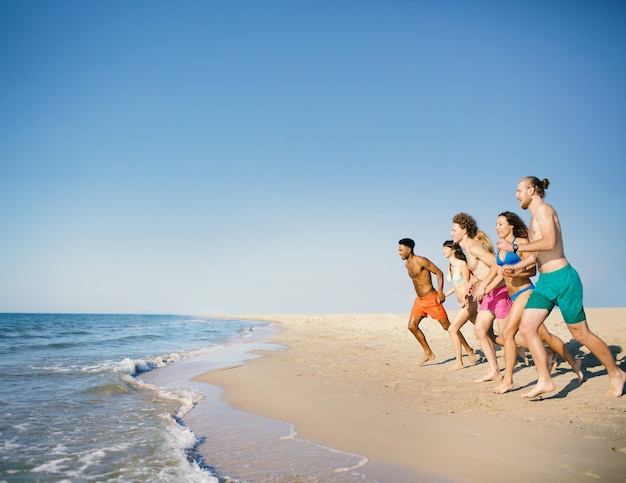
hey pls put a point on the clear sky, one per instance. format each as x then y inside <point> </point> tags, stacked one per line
<point>266,156</point>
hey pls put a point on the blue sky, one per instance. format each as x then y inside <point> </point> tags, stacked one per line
<point>265,157</point>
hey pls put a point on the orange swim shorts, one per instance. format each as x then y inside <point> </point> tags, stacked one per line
<point>428,305</point>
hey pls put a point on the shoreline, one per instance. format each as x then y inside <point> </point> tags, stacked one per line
<point>351,382</point>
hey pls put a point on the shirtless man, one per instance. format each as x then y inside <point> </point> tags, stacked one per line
<point>558,284</point>
<point>428,301</point>
<point>487,287</point>
<point>510,227</point>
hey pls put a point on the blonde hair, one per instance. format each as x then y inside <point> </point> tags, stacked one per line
<point>484,240</point>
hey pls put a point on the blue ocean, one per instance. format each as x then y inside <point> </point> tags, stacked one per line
<point>111,398</point>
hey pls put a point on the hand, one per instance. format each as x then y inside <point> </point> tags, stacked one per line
<point>441,297</point>
<point>479,292</point>
<point>505,245</point>
<point>508,271</point>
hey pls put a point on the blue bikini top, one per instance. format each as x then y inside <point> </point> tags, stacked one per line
<point>509,259</point>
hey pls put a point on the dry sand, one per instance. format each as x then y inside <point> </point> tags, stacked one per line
<point>352,382</point>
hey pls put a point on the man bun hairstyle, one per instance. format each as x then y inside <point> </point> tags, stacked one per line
<point>540,185</point>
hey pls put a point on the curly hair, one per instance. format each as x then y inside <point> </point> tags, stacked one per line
<point>540,185</point>
<point>467,222</point>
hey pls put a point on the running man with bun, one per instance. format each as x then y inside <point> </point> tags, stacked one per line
<point>558,284</point>
<point>510,227</point>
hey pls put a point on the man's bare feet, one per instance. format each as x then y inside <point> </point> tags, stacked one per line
<point>426,358</point>
<point>456,367</point>
<point>616,384</point>
<point>539,389</point>
<point>492,376</point>
<point>578,370</point>
<point>472,357</point>
<point>552,361</point>
<point>503,387</point>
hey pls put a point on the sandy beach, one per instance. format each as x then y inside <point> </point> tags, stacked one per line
<point>352,382</point>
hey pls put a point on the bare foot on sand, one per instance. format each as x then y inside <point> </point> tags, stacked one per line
<point>427,357</point>
<point>521,354</point>
<point>616,386</point>
<point>492,376</point>
<point>503,387</point>
<point>578,370</point>
<point>456,367</point>
<point>472,357</point>
<point>539,389</point>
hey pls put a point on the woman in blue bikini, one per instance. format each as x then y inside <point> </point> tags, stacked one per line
<point>459,275</point>
<point>512,228</point>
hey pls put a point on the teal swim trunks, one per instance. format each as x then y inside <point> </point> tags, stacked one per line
<point>563,288</point>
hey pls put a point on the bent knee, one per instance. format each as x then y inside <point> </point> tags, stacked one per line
<point>582,337</point>
<point>480,332</point>
<point>527,331</point>
<point>509,334</point>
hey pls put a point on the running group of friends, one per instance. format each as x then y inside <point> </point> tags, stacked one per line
<point>495,285</point>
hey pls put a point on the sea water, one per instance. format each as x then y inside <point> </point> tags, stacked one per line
<point>72,407</point>
<point>110,398</point>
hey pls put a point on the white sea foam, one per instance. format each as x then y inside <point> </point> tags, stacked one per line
<point>54,466</point>
<point>22,427</point>
<point>10,445</point>
<point>59,449</point>
<point>134,366</point>
<point>187,398</point>
<point>127,365</point>
<point>92,457</point>
<point>194,474</point>
<point>182,437</point>
<point>292,433</point>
